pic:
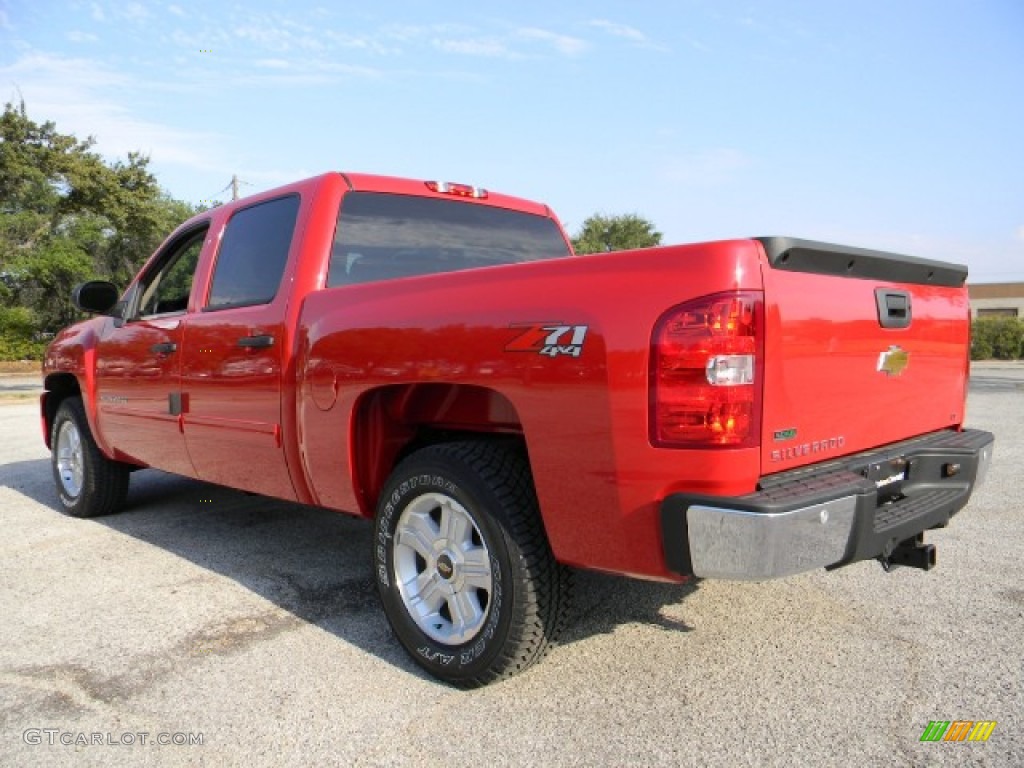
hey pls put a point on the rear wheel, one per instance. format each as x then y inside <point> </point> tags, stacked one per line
<point>88,483</point>
<point>464,569</point>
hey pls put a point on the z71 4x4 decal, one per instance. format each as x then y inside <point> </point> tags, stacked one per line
<point>551,339</point>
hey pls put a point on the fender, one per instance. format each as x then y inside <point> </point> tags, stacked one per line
<point>73,352</point>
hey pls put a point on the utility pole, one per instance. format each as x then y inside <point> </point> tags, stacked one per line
<point>234,185</point>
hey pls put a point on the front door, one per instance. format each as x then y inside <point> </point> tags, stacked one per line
<point>139,362</point>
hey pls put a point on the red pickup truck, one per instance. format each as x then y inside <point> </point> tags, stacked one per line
<point>433,357</point>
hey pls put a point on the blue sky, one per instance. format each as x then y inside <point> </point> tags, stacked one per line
<point>893,124</point>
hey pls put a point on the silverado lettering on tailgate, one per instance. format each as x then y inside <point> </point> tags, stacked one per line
<point>828,445</point>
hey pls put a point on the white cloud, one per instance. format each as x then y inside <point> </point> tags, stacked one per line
<point>308,72</point>
<point>47,72</point>
<point>359,43</point>
<point>626,32</point>
<point>316,75</point>
<point>176,10</point>
<point>274,34</point>
<point>213,40</point>
<point>620,30</point>
<point>460,39</point>
<point>292,79</point>
<point>467,41</point>
<point>278,34</point>
<point>405,32</point>
<point>78,95</point>
<point>77,36</point>
<point>472,47</point>
<point>1020,233</point>
<point>411,33</point>
<point>564,44</point>
<point>5,22</point>
<point>97,12</point>
<point>135,12</point>
<point>273,63</point>
<point>264,35</point>
<point>340,68</point>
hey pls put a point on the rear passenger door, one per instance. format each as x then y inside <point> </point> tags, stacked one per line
<point>232,367</point>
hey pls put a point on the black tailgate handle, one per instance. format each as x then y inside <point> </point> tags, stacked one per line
<point>893,308</point>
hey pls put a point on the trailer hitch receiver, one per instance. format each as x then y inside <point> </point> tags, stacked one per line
<point>912,552</point>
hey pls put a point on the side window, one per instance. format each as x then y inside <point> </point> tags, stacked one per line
<point>166,291</point>
<point>253,253</point>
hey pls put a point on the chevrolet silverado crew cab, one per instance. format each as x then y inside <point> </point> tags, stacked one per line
<point>434,358</point>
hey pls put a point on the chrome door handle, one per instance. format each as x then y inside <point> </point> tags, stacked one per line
<point>256,342</point>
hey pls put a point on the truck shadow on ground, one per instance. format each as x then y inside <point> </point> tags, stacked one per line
<point>315,563</point>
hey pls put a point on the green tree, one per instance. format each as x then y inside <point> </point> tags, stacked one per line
<point>66,216</point>
<point>601,233</point>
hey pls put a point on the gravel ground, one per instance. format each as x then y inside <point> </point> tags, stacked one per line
<point>254,625</point>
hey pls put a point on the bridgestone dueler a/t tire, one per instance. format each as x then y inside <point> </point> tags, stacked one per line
<point>100,485</point>
<point>489,484</point>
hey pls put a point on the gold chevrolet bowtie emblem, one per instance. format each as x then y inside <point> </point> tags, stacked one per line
<point>893,361</point>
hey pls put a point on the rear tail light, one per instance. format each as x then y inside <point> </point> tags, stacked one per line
<point>706,371</point>
<point>459,190</point>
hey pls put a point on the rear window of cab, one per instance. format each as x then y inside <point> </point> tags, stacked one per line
<point>387,236</point>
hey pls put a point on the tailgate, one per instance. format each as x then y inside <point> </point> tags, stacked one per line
<point>862,348</point>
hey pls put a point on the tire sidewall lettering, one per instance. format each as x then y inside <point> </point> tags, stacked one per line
<point>430,651</point>
<point>383,535</point>
<point>474,652</point>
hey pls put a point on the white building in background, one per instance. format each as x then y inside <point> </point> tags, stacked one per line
<point>997,299</point>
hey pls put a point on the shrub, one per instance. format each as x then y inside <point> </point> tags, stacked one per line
<point>1001,338</point>
<point>19,335</point>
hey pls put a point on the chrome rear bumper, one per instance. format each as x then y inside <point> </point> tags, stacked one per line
<point>826,515</point>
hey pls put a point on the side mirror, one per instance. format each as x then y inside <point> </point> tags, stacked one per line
<point>97,297</point>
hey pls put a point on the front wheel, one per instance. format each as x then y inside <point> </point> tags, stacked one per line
<point>464,569</point>
<point>88,483</point>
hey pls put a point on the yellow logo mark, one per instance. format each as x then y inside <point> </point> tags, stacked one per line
<point>893,361</point>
